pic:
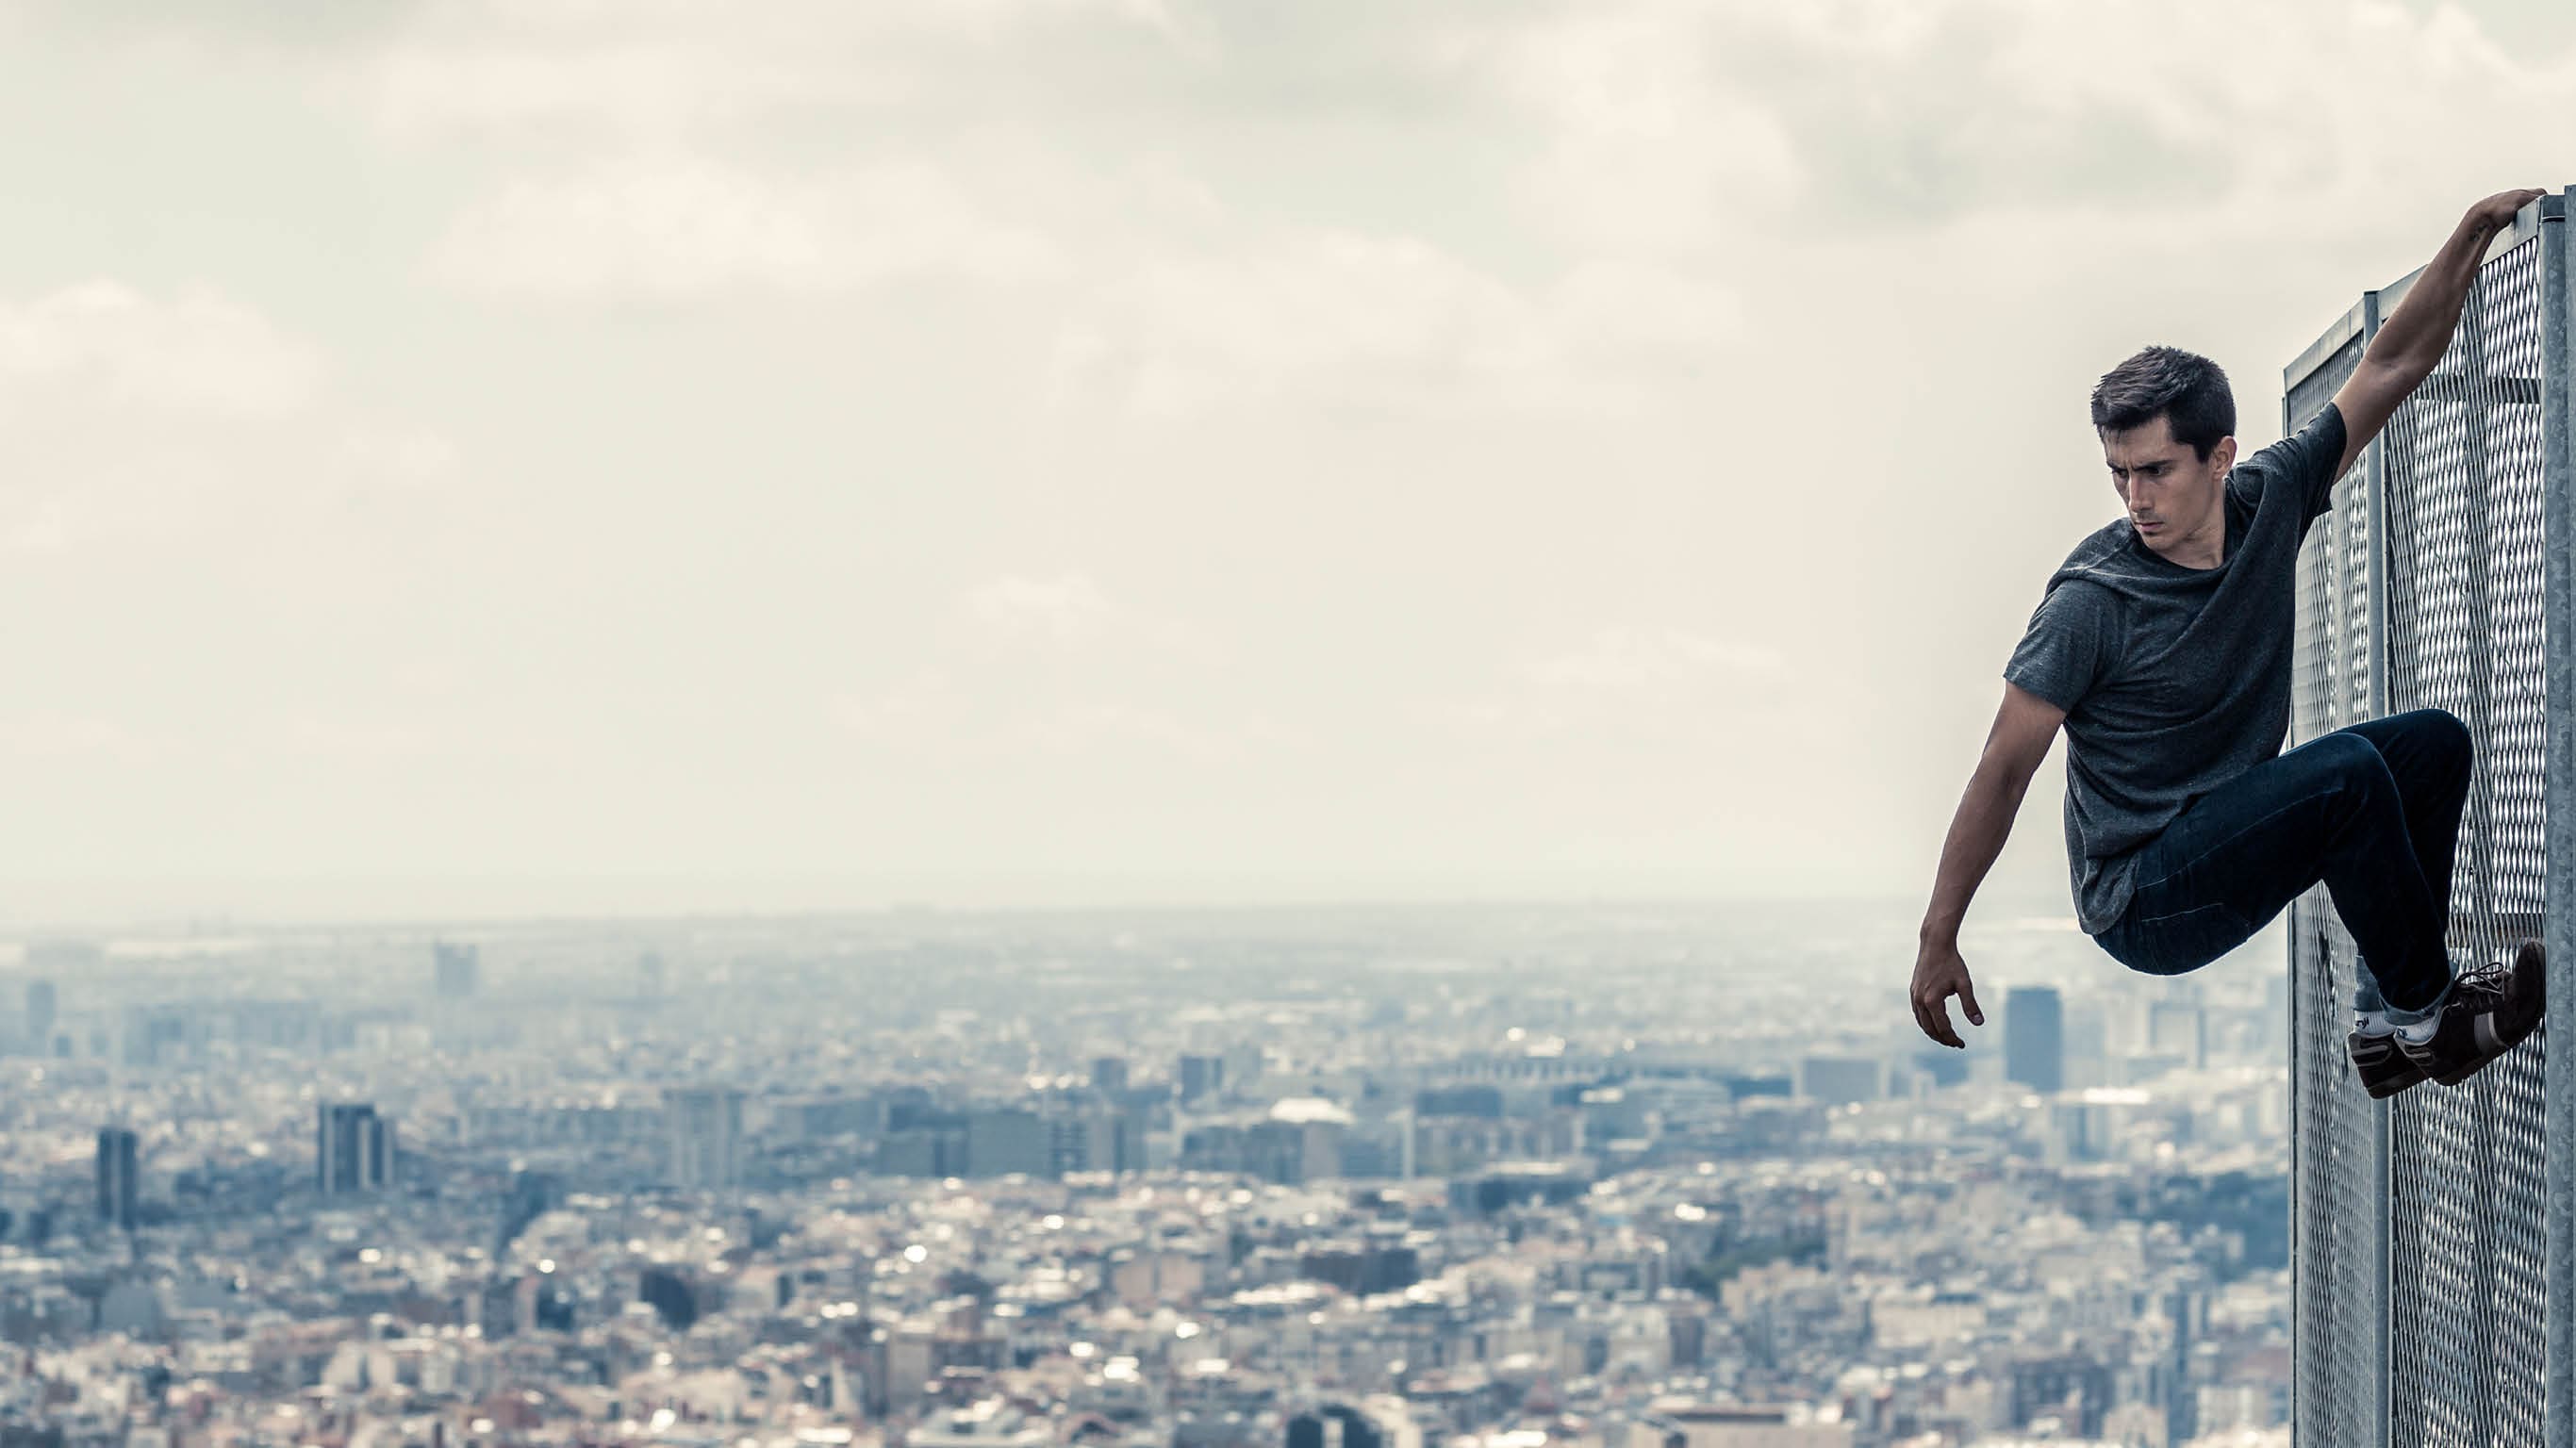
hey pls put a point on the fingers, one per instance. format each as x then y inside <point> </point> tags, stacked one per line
<point>1968,999</point>
<point>1934,1017</point>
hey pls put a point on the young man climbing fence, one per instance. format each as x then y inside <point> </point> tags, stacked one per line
<point>2162,647</point>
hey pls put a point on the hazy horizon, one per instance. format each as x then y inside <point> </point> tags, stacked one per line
<point>471,459</point>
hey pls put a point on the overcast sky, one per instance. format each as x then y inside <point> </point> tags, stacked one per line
<point>629,455</point>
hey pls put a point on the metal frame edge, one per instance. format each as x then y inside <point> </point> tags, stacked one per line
<point>2383,1135</point>
<point>2558,531</point>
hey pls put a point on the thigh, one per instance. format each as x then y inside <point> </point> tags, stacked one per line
<point>2230,862</point>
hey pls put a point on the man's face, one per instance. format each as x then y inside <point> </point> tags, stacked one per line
<point>2168,489</point>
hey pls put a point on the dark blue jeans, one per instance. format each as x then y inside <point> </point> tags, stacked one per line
<point>2373,811</point>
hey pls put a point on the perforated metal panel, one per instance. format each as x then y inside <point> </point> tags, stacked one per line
<point>2338,1147</point>
<point>2463,490</point>
<point>2432,1234</point>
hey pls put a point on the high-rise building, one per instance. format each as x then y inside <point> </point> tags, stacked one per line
<point>2179,1029</point>
<point>1840,1080</point>
<point>40,1017</point>
<point>2182,1402</point>
<point>1003,1140</point>
<point>706,1136</point>
<point>353,1149</point>
<point>1201,1076</point>
<point>117,1184</point>
<point>1109,1074</point>
<point>2035,1038</point>
<point>457,969</point>
<point>532,1194</point>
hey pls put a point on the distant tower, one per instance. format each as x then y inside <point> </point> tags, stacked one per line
<point>458,969</point>
<point>2179,1028</point>
<point>353,1149</point>
<point>1201,1076</point>
<point>2182,1403</point>
<point>532,1194</point>
<point>40,1016</point>
<point>652,977</point>
<point>116,1176</point>
<point>2035,1039</point>
<point>1109,1074</point>
<point>706,1136</point>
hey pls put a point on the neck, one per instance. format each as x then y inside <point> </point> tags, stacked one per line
<point>2203,547</point>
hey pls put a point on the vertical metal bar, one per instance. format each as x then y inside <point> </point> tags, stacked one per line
<point>2558,527</point>
<point>2383,1177</point>
<point>2299,1283</point>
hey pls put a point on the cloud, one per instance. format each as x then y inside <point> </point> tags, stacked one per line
<point>1061,609</point>
<point>195,351</point>
<point>677,226</point>
<point>1089,684</point>
<point>1676,127</point>
<point>1623,658</point>
<point>665,70</point>
<point>1387,323</point>
<point>133,413</point>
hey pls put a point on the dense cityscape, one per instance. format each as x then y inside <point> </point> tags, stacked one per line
<point>1479,1176</point>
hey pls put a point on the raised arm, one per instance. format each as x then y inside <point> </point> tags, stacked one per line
<point>2413,338</point>
<point>2024,727</point>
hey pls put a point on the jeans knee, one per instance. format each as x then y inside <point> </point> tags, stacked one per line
<point>2448,739</point>
<point>2355,769</point>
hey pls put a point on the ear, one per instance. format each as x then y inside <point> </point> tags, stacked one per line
<point>2223,456</point>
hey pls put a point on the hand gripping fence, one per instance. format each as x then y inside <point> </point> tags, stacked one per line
<point>2434,1235</point>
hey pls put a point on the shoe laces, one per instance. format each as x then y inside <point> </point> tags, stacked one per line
<point>2484,987</point>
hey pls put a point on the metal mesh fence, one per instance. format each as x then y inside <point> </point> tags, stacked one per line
<point>2462,464</point>
<point>2336,1132</point>
<point>2427,1235</point>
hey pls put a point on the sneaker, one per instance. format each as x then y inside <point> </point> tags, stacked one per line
<point>2490,1011</point>
<point>2384,1069</point>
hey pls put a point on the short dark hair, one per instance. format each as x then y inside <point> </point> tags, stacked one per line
<point>2186,387</point>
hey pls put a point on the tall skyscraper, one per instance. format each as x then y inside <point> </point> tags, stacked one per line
<point>353,1149</point>
<point>2035,1038</point>
<point>40,1017</point>
<point>117,1183</point>
<point>1201,1076</point>
<point>706,1136</point>
<point>532,1194</point>
<point>457,969</point>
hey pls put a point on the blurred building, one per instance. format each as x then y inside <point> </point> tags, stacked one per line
<point>706,1136</point>
<point>353,1149</point>
<point>457,969</point>
<point>118,1188</point>
<point>2035,1038</point>
<point>1841,1080</point>
<point>40,1016</point>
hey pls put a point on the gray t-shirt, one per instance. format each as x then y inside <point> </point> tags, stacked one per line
<point>2174,680</point>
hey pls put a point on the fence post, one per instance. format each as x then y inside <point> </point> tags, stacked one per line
<point>2558,527</point>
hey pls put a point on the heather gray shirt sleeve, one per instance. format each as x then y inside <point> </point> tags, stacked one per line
<point>2072,642</point>
<point>2304,463</point>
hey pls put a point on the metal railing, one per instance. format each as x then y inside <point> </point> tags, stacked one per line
<point>2434,1249</point>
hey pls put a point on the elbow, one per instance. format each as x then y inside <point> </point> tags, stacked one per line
<point>2402,370</point>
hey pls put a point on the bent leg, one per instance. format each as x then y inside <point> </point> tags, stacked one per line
<point>2431,756</point>
<point>2329,811</point>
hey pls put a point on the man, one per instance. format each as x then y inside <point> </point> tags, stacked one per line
<point>2162,646</point>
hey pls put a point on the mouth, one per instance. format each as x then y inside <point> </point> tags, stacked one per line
<point>2145,525</point>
